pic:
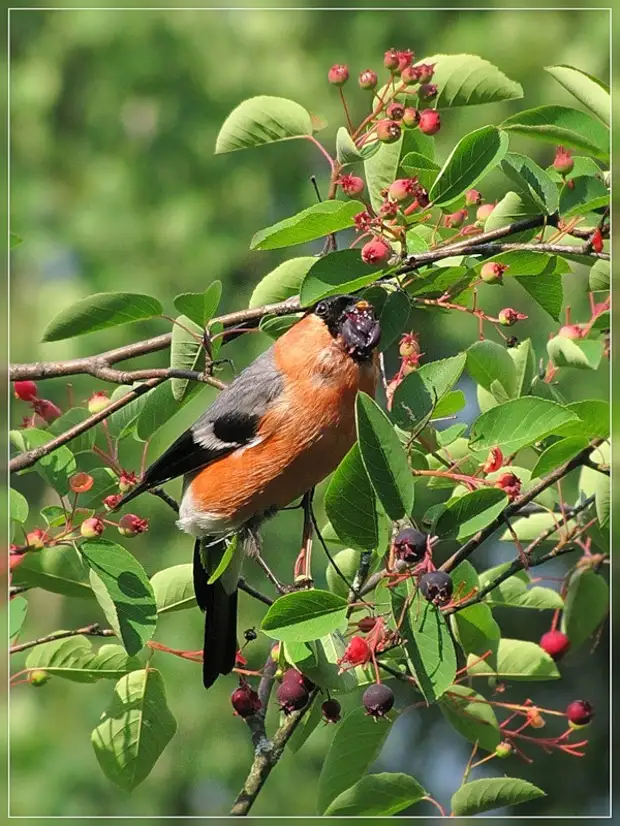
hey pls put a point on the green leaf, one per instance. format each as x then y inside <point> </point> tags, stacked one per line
<point>122,423</point>
<point>356,745</point>
<point>381,169</point>
<point>304,728</point>
<point>471,715</point>
<point>599,278</point>
<point>384,458</point>
<point>525,366</point>
<point>438,280</point>
<point>185,351</point>
<point>471,512</point>
<point>473,156</point>
<point>282,283</point>
<point>343,271</point>
<point>74,659</point>
<point>546,289</point>
<point>260,120</point>
<point>350,503</point>
<point>449,405</point>
<point>18,506</point>
<point>515,592</point>
<point>347,152</point>
<point>18,608</point>
<point>309,224</point>
<point>587,89</point>
<point>477,632</point>
<point>532,180</point>
<point>229,551</point>
<point>382,794</point>
<point>584,195</point>
<point>415,165</point>
<point>173,589</point>
<point>304,616</point>
<point>586,605</point>
<point>100,311</point>
<point>429,648</point>
<point>57,467</point>
<point>200,307</point>
<point>135,729</point>
<point>594,419</point>
<point>160,406</point>
<point>528,528</point>
<point>492,793</point>
<point>511,208</point>
<point>82,443</point>
<point>517,660</point>
<point>558,453</point>
<point>105,483</point>
<point>468,80</point>
<point>59,570</point>
<point>489,362</point>
<point>348,561</point>
<point>592,482</point>
<point>562,125</point>
<point>123,591</point>
<point>566,352</point>
<point>16,240</point>
<point>518,423</point>
<point>394,317</point>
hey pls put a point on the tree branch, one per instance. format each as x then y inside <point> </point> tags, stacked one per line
<point>89,630</point>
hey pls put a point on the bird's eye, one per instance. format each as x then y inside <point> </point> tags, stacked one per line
<point>321,309</point>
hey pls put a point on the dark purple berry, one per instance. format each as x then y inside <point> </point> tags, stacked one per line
<point>245,700</point>
<point>579,712</point>
<point>295,677</point>
<point>378,699</point>
<point>436,587</point>
<point>410,545</point>
<point>292,695</point>
<point>250,635</point>
<point>331,711</point>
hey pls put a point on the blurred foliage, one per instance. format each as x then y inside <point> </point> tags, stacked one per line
<point>114,185</point>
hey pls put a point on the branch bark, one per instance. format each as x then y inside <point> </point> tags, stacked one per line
<point>92,630</point>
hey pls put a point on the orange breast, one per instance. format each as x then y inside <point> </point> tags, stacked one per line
<point>302,439</point>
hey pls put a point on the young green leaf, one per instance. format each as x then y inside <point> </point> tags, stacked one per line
<point>343,271</point>
<point>562,125</point>
<point>513,207</point>
<point>185,352</point>
<point>566,352</point>
<point>492,793</point>
<point>415,165</point>
<point>584,195</point>
<point>173,589</point>
<point>515,592</point>
<point>473,156</point>
<point>59,570</point>
<point>587,89</point>
<point>394,317</point>
<point>468,80</point>
<point>558,453</point>
<point>586,605</point>
<point>263,119</point>
<point>350,503</point>
<point>471,715</point>
<point>304,616</point>
<point>135,729</point>
<point>487,362</point>
<point>546,289</point>
<point>18,608</point>
<point>18,506</point>
<point>57,467</point>
<point>82,443</point>
<point>477,632</point>
<point>283,282</point>
<point>594,419</point>
<point>100,311</point>
<point>531,180</point>
<point>309,224</point>
<point>384,458</point>
<point>200,307</point>
<point>354,748</point>
<point>378,795</point>
<point>381,169</point>
<point>517,660</point>
<point>471,512</point>
<point>122,423</point>
<point>594,483</point>
<point>74,659</point>
<point>518,423</point>
<point>599,278</point>
<point>347,153</point>
<point>123,590</point>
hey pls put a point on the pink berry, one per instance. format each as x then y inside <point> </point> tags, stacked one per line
<point>368,79</point>
<point>426,72</point>
<point>427,92</point>
<point>351,185</point>
<point>510,484</point>
<point>563,162</point>
<point>110,502</point>
<point>391,60</point>
<point>405,59</point>
<point>410,75</point>
<point>47,409</point>
<point>573,331</point>
<point>508,317</point>
<point>472,198</point>
<point>492,272</point>
<point>483,212</point>
<point>395,110</point>
<point>131,525</point>
<point>26,391</point>
<point>430,122</point>
<point>411,117</point>
<point>98,401</point>
<point>91,528</point>
<point>36,539</point>
<point>338,74</point>
<point>388,131</point>
<point>376,252</point>
<point>555,643</point>
<point>403,190</point>
<point>456,219</point>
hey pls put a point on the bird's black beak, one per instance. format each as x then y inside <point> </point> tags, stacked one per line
<point>360,329</point>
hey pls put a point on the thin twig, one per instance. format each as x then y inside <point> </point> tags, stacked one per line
<point>93,630</point>
<point>243,585</point>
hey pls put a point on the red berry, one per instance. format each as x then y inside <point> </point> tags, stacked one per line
<point>351,185</point>
<point>331,711</point>
<point>391,59</point>
<point>92,527</point>
<point>405,59</point>
<point>483,212</point>
<point>291,675</point>
<point>245,700</point>
<point>378,699</point>
<point>411,117</point>
<point>36,538</point>
<point>98,402</point>
<point>376,252</point>
<point>403,190</point>
<point>292,696</point>
<point>26,391</point>
<point>430,122</point>
<point>492,272</point>
<point>436,587</point>
<point>131,525</point>
<point>338,74</point>
<point>110,502</point>
<point>597,240</point>
<point>456,219</point>
<point>81,482</point>
<point>508,317</point>
<point>510,484</point>
<point>410,545</point>
<point>127,480</point>
<point>472,197</point>
<point>579,712</point>
<point>427,92</point>
<point>410,75</point>
<point>388,131</point>
<point>388,209</point>
<point>426,72</point>
<point>494,461</point>
<point>357,652</point>
<point>563,162</point>
<point>368,79</point>
<point>555,643</point>
<point>47,409</point>
<point>573,331</point>
<point>395,110</point>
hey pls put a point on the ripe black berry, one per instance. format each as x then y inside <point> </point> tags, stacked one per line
<point>245,700</point>
<point>331,711</point>
<point>579,712</point>
<point>292,695</point>
<point>410,545</point>
<point>378,699</point>
<point>250,635</point>
<point>436,587</point>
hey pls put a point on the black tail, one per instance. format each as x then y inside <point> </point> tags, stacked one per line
<point>220,642</point>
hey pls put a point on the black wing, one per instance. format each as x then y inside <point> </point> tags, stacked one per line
<point>230,423</point>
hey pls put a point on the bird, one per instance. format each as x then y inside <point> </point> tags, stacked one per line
<point>277,430</point>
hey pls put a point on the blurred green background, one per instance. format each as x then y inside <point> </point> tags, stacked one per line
<point>114,186</point>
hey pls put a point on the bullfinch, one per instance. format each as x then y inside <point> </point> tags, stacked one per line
<point>275,432</point>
